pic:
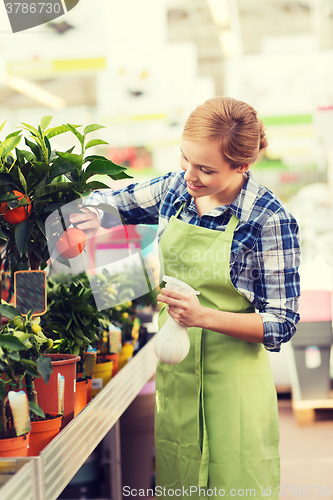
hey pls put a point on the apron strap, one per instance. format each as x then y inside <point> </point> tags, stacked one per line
<point>232,224</point>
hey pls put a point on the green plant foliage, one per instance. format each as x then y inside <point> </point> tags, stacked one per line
<point>50,179</point>
<point>22,343</point>
<point>72,319</point>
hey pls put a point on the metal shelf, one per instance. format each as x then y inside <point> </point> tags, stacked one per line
<point>65,454</point>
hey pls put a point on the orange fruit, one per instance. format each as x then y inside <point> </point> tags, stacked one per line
<point>16,215</point>
<point>71,243</point>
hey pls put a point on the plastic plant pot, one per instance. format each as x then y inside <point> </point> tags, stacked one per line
<point>47,394</point>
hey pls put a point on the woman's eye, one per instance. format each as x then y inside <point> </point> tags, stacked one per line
<point>208,172</point>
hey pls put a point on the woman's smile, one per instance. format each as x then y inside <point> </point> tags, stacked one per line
<point>193,187</point>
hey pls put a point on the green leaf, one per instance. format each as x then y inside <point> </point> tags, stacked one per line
<point>27,155</point>
<point>22,180</point>
<point>11,342</point>
<point>61,129</point>
<point>78,332</point>
<point>9,311</point>
<point>6,179</point>
<point>92,128</point>
<point>97,157</point>
<point>76,350</point>
<point>34,148</point>
<point>86,294</point>
<point>61,169</point>
<point>44,367</point>
<point>2,125</point>
<point>8,197</point>
<point>75,132</point>
<point>96,185</point>
<point>41,225</point>
<point>48,147</point>
<point>95,142</point>
<point>14,355</point>
<point>102,166</point>
<point>121,175</point>
<point>89,310</point>
<point>14,134</point>
<point>55,188</point>
<point>32,371</point>
<point>45,121</point>
<point>76,160</point>
<point>78,306</point>
<point>42,166</point>
<point>8,145</point>
<point>28,362</point>
<point>36,409</point>
<point>22,233</point>
<point>31,129</point>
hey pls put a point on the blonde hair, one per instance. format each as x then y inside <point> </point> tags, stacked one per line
<point>234,124</point>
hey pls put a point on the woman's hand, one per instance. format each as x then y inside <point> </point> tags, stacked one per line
<point>88,221</point>
<point>183,307</point>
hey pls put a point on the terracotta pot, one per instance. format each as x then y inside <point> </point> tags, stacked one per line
<point>102,375</point>
<point>42,433</point>
<point>15,447</point>
<point>47,394</point>
<point>83,394</point>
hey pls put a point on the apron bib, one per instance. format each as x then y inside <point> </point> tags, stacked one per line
<point>216,416</point>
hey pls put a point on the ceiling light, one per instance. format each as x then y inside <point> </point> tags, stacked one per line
<point>220,12</point>
<point>34,92</point>
<point>230,43</point>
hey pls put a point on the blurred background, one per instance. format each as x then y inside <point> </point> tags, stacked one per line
<point>140,68</point>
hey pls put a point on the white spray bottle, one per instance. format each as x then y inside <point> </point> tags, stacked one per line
<point>172,342</point>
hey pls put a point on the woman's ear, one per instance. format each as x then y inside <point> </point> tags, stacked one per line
<point>243,168</point>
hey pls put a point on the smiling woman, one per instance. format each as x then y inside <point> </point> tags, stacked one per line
<point>216,419</point>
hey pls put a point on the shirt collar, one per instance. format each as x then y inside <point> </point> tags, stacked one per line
<point>241,206</point>
<point>246,198</point>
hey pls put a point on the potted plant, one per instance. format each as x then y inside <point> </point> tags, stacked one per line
<point>125,314</point>
<point>73,321</point>
<point>21,345</point>
<point>36,181</point>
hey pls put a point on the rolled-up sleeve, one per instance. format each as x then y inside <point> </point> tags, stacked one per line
<point>137,203</point>
<point>277,283</point>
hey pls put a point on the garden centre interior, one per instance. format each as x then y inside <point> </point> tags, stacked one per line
<point>109,83</point>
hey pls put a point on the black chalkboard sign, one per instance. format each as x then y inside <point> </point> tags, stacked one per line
<point>30,291</point>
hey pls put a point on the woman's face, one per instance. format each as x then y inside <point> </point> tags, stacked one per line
<point>207,174</point>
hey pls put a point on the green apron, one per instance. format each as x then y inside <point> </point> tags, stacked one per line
<point>216,417</point>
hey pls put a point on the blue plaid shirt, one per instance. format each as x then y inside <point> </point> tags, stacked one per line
<point>265,251</point>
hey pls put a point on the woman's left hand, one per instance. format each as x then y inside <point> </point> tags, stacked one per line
<point>183,307</point>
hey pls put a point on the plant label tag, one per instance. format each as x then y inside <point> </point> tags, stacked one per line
<point>97,383</point>
<point>89,363</point>
<point>30,292</point>
<point>114,339</point>
<point>20,409</point>
<point>61,393</point>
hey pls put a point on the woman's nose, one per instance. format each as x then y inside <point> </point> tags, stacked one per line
<point>190,174</point>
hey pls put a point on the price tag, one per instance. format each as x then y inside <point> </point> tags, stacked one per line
<point>30,291</point>
<point>97,383</point>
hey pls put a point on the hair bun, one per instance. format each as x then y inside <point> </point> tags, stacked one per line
<point>263,141</point>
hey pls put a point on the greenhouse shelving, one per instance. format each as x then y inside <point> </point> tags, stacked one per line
<point>56,465</point>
